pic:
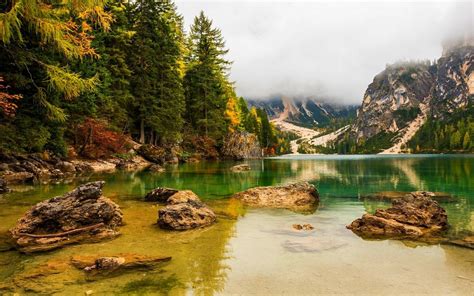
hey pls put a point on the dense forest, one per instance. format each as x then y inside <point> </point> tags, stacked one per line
<point>85,77</point>
<point>453,135</point>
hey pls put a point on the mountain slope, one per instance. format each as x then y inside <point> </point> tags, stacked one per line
<point>303,111</point>
<point>403,97</point>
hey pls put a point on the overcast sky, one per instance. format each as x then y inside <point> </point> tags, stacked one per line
<point>326,49</point>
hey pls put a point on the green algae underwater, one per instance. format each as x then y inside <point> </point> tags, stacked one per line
<point>256,251</point>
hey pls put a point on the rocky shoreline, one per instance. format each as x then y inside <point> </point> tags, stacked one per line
<point>43,168</point>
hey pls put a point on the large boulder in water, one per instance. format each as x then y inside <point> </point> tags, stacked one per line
<point>293,196</point>
<point>185,211</point>
<point>413,216</point>
<point>80,215</point>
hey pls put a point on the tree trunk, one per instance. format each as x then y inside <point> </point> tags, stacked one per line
<point>151,138</point>
<point>142,132</point>
<point>205,109</point>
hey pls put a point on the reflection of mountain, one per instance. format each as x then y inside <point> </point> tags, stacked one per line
<point>334,176</point>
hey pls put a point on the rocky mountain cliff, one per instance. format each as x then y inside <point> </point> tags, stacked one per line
<point>402,97</point>
<point>303,111</point>
<point>399,89</point>
<point>454,81</point>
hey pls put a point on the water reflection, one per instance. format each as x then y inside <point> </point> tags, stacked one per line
<point>210,260</point>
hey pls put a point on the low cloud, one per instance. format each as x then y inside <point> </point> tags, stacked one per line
<point>326,49</point>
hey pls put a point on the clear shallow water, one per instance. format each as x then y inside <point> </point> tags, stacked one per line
<point>255,251</point>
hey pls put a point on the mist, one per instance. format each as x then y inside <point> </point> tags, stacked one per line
<point>328,50</point>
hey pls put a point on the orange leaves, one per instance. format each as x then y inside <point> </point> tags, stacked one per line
<point>81,38</point>
<point>95,140</point>
<point>71,37</point>
<point>7,101</point>
<point>97,16</point>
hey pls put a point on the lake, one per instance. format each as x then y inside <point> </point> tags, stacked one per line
<point>256,251</point>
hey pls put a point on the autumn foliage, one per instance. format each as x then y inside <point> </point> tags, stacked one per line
<point>95,140</point>
<point>7,101</point>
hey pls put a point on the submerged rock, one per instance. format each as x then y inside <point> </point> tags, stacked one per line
<point>80,215</point>
<point>415,215</point>
<point>94,266</point>
<point>311,244</point>
<point>391,195</point>
<point>293,196</point>
<point>466,242</point>
<point>160,194</point>
<point>303,227</point>
<point>240,168</point>
<point>3,187</point>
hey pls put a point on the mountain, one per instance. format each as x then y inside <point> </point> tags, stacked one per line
<point>410,99</point>
<point>303,111</point>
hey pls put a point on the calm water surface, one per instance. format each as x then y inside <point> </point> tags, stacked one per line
<point>255,251</point>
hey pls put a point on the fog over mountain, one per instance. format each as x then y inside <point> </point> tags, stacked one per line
<point>326,49</point>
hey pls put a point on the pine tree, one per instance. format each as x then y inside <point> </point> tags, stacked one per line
<point>455,141</point>
<point>33,32</point>
<point>466,143</point>
<point>41,40</point>
<point>156,63</point>
<point>267,137</point>
<point>206,84</point>
<point>112,96</point>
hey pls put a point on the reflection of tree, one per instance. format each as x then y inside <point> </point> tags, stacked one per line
<point>447,174</point>
<point>198,259</point>
<point>334,177</point>
<point>198,256</point>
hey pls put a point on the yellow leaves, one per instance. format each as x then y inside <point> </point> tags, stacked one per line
<point>56,25</point>
<point>253,113</point>
<point>232,114</point>
<point>97,16</point>
<point>52,112</point>
<point>10,23</point>
<point>86,27</point>
<point>69,84</point>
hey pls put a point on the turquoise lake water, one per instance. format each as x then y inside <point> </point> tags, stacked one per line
<point>256,251</point>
